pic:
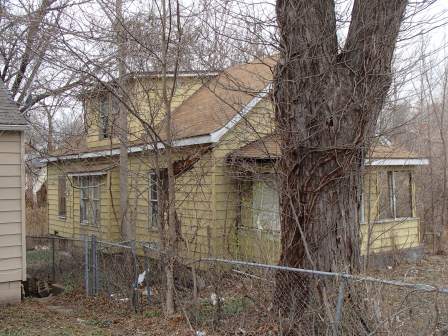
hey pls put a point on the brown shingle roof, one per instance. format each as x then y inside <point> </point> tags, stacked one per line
<point>269,148</point>
<point>222,98</point>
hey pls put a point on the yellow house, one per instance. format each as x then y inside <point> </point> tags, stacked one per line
<point>226,200</point>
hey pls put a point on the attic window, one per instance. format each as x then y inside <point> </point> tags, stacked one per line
<point>104,117</point>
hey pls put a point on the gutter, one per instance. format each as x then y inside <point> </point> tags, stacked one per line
<point>13,127</point>
<point>396,162</point>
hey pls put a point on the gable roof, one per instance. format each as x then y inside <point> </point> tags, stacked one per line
<point>221,99</point>
<point>205,116</point>
<point>10,118</point>
<point>268,148</point>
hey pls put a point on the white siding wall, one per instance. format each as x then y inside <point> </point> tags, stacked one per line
<point>12,233</point>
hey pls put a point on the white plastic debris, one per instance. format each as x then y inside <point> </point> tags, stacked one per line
<point>141,278</point>
<point>200,333</point>
<point>214,299</point>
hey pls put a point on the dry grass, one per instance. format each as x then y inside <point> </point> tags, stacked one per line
<point>245,310</point>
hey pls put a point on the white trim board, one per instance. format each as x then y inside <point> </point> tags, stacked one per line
<point>95,173</point>
<point>211,138</point>
<point>396,162</point>
<point>13,127</point>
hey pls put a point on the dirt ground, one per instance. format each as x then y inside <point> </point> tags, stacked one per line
<point>74,314</point>
<point>70,315</point>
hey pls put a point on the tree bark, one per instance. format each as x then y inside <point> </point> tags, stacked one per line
<point>327,104</point>
<point>127,229</point>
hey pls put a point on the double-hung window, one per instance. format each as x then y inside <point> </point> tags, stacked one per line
<point>89,205</point>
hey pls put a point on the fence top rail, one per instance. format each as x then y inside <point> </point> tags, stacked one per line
<point>120,245</point>
<point>345,276</point>
<point>55,238</point>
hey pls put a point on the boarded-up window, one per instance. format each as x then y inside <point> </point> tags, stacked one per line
<point>395,194</point>
<point>157,193</point>
<point>265,205</point>
<point>89,205</point>
<point>62,196</point>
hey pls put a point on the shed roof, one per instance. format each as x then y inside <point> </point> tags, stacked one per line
<point>268,148</point>
<point>9,113</point>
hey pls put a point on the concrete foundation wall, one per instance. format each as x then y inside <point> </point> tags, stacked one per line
<point>10,292</point>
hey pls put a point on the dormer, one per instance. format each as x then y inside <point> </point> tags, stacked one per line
<point>143,102</point>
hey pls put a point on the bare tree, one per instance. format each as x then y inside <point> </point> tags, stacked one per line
<point>327,101</point>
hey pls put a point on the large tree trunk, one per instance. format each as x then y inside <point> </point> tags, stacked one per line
<point>327,104</point>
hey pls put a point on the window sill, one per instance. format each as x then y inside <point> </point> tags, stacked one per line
<point>62,217</point>
<point>87,224</point>
<point>390,220</point>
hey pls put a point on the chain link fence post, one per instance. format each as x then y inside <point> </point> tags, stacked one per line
<point>339,304</point>
<point>53,259</point>
<point>86,264</point>
<point>94,266</point>
<point>147,284</point>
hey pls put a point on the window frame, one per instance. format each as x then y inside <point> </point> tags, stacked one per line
<point>104,114</point>
<point>153,200</point>
<point>89,197</point>
<point>265,184</point>
<point>392,195</point>
<point>62,184</point>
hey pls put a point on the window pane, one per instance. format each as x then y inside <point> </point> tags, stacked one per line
<point>62,196</point>
<point>153,199</point>
<point>104,117</point>
<point>403,194</point>
<point>385,206</point>
<point>90,197</point>
<point>265,206</point>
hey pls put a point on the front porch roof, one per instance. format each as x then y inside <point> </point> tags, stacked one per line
<point>268,148</point>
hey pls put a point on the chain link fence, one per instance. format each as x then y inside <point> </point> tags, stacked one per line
<point>229,297</point>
